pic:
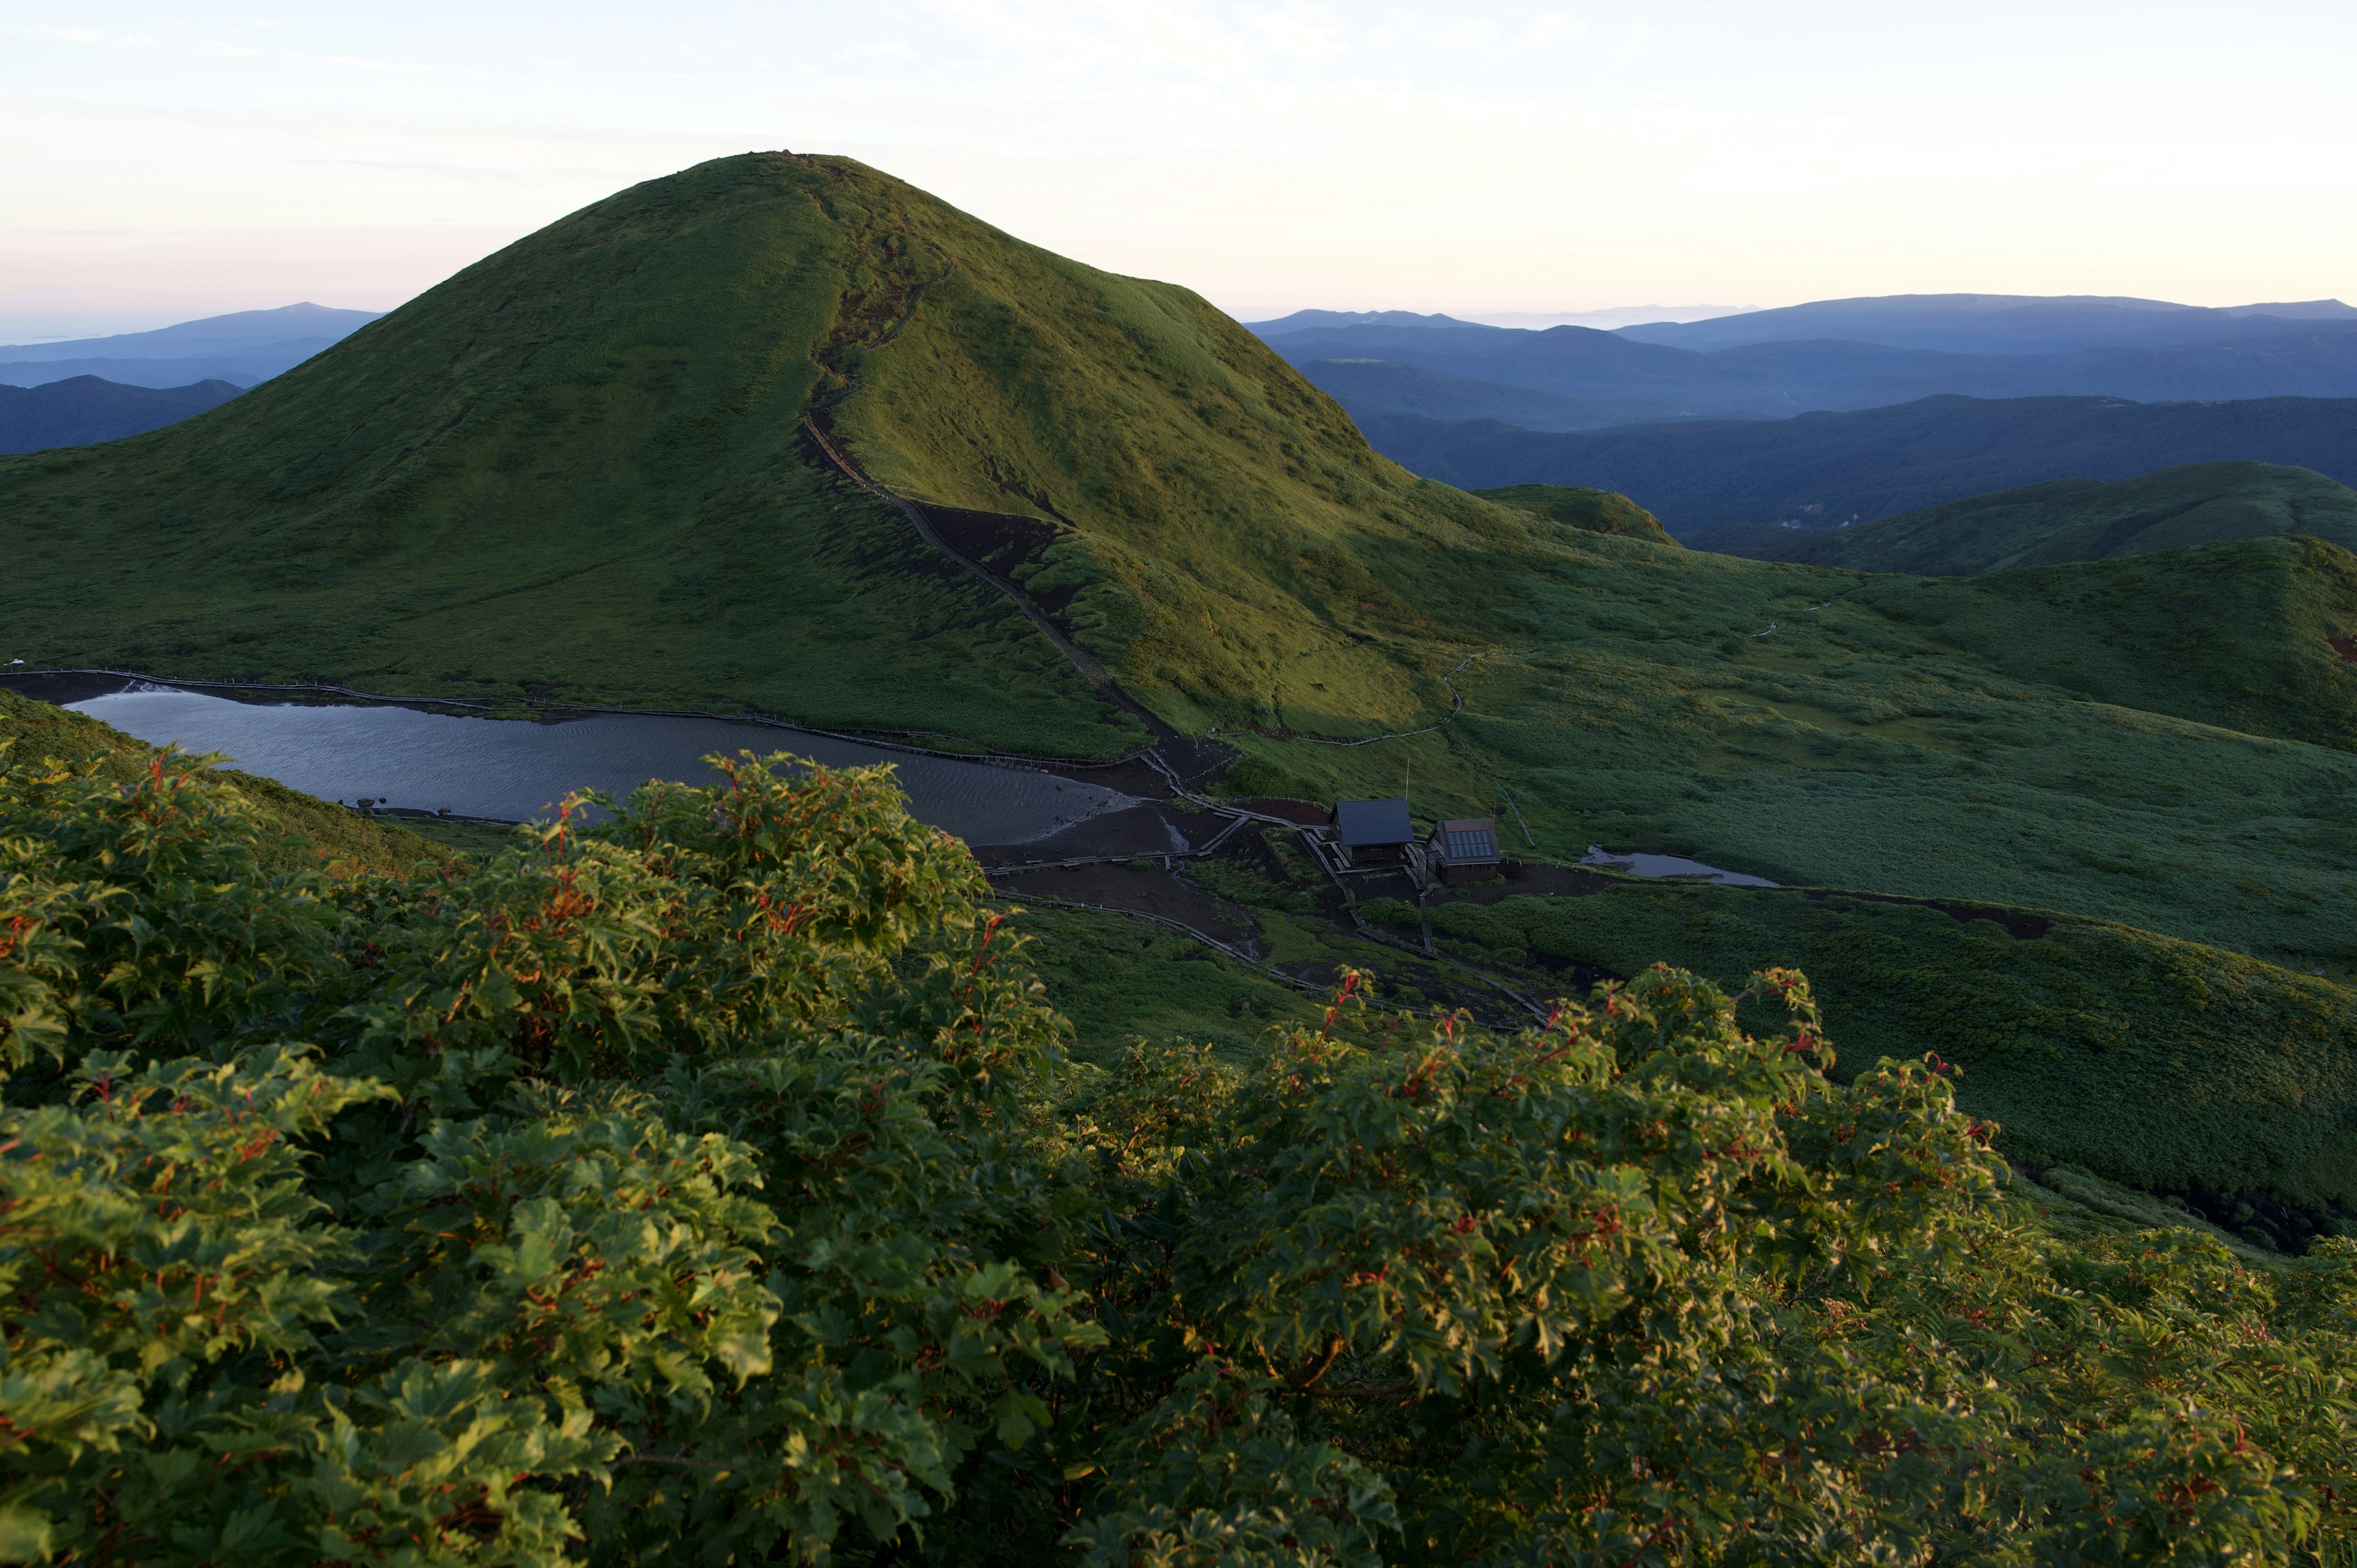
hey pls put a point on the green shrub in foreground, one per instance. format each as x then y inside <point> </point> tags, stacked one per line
<point>692,1188</point>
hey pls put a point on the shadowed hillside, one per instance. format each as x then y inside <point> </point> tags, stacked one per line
<point>2070,519</point>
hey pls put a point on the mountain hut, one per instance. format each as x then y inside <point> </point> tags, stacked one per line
<point>1373,832</point>
<point>1465,849</point>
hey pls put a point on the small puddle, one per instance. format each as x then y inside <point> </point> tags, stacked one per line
<point>514,769</point>
<point>1670,865</point>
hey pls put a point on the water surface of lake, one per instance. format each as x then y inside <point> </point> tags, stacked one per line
<point>513,769</point>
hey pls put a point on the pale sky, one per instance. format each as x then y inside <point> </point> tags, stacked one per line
<point>167,161</point>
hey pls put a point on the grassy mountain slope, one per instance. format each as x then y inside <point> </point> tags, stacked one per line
<point>2070,519</point>
<point>2056,739</point>
<point>575,466</point>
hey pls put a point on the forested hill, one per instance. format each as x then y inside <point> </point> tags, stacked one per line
<point>2070,519</point>
<point>1822,469</point>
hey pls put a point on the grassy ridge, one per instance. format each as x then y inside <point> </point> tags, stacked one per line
<point>1220,513</point>
<point>2070,519</point>
<point>1598,511</point>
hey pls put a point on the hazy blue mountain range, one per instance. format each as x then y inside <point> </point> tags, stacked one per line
<point>1997,322</point>
<point>2064,521</point>
<point>1825,469</point>
<point>244,348</point>
<point>1616,316</point>
<point>1330,320</point>
<point>1573,377</point>
<point>1952,323</point>
<point>82,410</point>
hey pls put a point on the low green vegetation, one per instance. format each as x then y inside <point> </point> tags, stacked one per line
<point>2155,1063</point>
<point>1123,982</point>
<point>706,1185</point>
<point>2161,742</point>
<point>2073,519</point>
<point>307,832</point>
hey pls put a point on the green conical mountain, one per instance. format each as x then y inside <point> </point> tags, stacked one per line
<point>2072,520</point>
<point>582,464</point>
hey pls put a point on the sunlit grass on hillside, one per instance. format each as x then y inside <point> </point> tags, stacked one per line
<point>2075,519</point>
<point>2136,741</point>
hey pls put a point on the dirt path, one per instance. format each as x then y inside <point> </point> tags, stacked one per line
<point>1095,673</point>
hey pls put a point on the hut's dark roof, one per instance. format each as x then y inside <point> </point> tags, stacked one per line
<point>1469,838</point>
<point>1361,823</point>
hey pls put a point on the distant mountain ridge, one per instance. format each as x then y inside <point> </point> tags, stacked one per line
<point>1947,323</point>
<point>2069,520</point>
<point>83,410</point>
<point>1821,469</point>
<point>1830,355</point>
<point>1573,377</point>
<point>1330,320</point>
<point>1502,320</point>
<point>1997,322</point>
<point>246,346</point>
